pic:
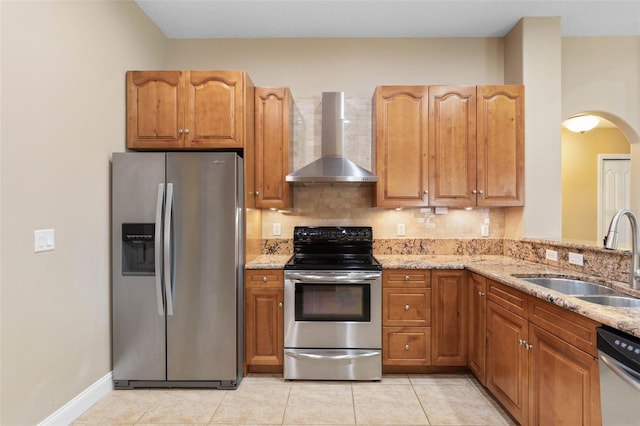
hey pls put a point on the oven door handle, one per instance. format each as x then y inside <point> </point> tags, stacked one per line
<point>344,278</point>
<point>343,357</point>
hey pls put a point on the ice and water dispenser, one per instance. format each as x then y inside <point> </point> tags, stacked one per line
<point>138,248</point>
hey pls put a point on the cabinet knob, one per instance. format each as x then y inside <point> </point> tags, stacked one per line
<point>481,293</point>
<point>180,131</point>
<point>425,192</point>
<point>481,192</point>
<point>186,131</point>
<point>280,305</point>
<point>475,191</point>
<point>406,277</point>
<point>406,307</point>
<point>257,192</point>
<point>527,346</point>
<point>520,342</point>
<point>406,347</point>
<point>264,279</point>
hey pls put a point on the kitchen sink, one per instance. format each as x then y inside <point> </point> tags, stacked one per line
<point>611,300</point>
<point>570,286</point>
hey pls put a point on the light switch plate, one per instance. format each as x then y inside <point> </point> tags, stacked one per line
<point>401,230</point>
<point>277,229</point>
<point>44,240</point>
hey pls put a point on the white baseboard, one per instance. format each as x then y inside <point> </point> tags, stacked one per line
<point>81,403</point>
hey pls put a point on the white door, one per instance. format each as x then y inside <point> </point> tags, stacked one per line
<point>614,177</point>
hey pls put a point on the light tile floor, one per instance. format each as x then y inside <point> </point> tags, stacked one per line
<point>434,399</point>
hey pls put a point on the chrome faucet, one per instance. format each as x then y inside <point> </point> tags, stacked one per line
<point>611,243</point>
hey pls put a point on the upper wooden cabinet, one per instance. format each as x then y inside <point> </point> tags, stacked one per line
<point>189,109</point>
<point>453,146</point>
<point>400,146</point>
<point>274,132</point>
<point>500,146</point>
<point>476,146</point>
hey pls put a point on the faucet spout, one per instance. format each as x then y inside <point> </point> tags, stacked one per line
<point>611,243</point>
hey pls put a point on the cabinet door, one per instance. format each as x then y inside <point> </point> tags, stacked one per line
<point>452,146</point>
<point>273,126</point>
<point>449,310</point>
<point>563,382</point>
<point>401,146</point>
<point>264,326</point>
<point>507,361</point>
<point>264,319</point>
<point>155,109</point>
<point>476,336</point>
<point>215,109</point>
<point>500,125</point>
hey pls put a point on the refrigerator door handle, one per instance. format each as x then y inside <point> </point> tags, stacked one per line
<point>168,277</point>
<point>158,248</point>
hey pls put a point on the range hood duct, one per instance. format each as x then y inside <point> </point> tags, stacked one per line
<point>332,167</point>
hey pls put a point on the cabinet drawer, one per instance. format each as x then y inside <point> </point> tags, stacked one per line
<point>570,327</point>
<point>509,298</point>
<point>406,278</point>
<point>262,278</point>
<point>406,345</point>
<point>406,307</point>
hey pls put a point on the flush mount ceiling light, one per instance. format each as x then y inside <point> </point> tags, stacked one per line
<point>581,123</point>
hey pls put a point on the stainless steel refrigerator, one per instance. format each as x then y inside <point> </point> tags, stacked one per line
<point>177,246</point>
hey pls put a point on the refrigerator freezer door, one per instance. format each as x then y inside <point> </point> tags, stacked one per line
<point>138,322</point>
<point>202,336</point>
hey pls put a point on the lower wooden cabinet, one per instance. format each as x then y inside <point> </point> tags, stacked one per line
<point>507,360</point>
<point>541,360</point>
<point>564,382</point>
<point>264,320</point>
<point>449,322</point>
<point>477,326</point>
<point>406,318</point>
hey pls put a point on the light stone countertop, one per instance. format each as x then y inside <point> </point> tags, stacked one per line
<point>503,269</point>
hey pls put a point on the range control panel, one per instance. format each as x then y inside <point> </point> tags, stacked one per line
<point>333,234</point>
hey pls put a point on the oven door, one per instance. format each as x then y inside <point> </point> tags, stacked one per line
<point>333,309</point>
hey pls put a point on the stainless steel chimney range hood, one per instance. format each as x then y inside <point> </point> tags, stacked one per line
<point>332,167</point>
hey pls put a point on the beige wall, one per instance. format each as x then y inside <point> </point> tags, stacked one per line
<point>533,58</point>
<point>63,113</point>
<point>355,66</point>
<point>580,180</point>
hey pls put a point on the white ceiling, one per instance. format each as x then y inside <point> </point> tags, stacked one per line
<point>191,19</point>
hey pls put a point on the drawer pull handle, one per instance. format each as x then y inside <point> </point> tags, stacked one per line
<point>407,307</point>
<point>406,347</point>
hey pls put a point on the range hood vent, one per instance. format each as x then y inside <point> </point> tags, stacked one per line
<point>332,167</point>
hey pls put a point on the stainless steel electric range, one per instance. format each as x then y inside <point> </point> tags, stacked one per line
<point>332,305</point>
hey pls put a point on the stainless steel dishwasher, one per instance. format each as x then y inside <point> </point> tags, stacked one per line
<point>619,355</point>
